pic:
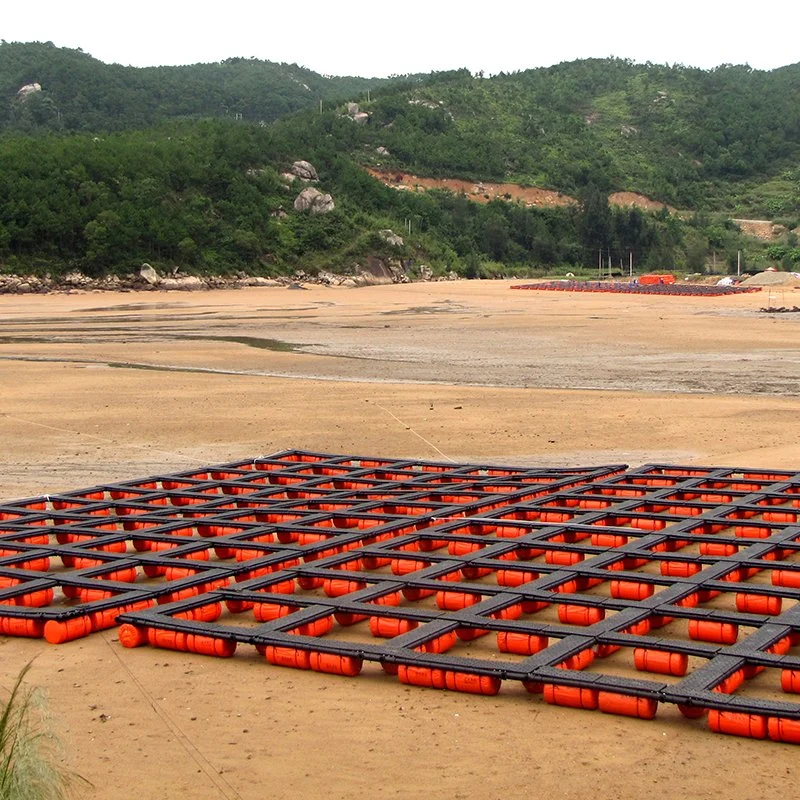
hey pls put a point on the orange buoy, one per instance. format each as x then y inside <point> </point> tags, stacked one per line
<point>785,577</point>
<point>608,540</point>
<point>319,627</point>
<point>20,626</point>
<point>524,644</point>
<point>210,645</point>
<point>660,661</point>
<point>758,603</point>
<point>404,566</point>
<point>267,612</point>
<point>578,661</point>
<point>514,611</point>
<point>730,684</point>
<point>238,606</point>
<point>631,590</point>
<point>570,696</point>
<point>390,599</point>
<point>691,600</point>
<point>335,664</point>
<point>455,601</point>
<point>752,726</point>
<point>781,729</point>
<point>205,613</point>
<point>534,687</point>
<point>515,577</point>
<point>287,657</point>
<point>709,631</point>
<point>388,628</point>
<point>58,632</point>
<point>421,676</point>
<point>308,583</point>
<point>690,711</point>
<point>640,628</point>
<point>627,705</point>
<point>563,558</point>
<point>415,593</point>
<point>338,587</point>
<point>440,644</point>
<point>680,569</point>
<point>169,640</point>
<point>88,595</point>
<point>604,650</point>
<point>472,573</point>
<point>528,553</point>
<point>132,635</point>
<point>347,618</point>
<point>580,615</point>
<point>532,606</point>
<point>375,562</point>
<point>717,549</point>
<point>790,680</point>
<point>463,548</point>
<point>471,683</point>
<point>37,599</point>
<point>102,620</point>
<point>470,634</point>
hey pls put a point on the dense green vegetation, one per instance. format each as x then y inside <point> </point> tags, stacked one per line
<point>80,93</point>
<point>128,183</point>
<point>687,137</point>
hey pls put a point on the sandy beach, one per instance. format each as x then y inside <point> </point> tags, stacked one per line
<point>100,386</point>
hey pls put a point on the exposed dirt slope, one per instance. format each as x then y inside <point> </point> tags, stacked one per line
<point>759,228</point>
<point>483,192</point>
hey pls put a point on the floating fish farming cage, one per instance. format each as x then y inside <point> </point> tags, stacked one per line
<point>685,290</point>
<point>601,588</point>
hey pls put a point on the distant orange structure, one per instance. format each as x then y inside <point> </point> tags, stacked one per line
<point>651,280</point>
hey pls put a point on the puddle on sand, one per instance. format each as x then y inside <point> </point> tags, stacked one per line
<point>131,307</point>
<point>275,345</point>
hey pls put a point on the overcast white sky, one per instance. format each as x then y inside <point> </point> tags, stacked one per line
<point>354,37</point>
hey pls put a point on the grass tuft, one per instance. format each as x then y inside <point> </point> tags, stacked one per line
<point>30,753</point>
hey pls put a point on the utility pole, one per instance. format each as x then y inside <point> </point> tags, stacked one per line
<point>630,263</point>
<point>739,263</point>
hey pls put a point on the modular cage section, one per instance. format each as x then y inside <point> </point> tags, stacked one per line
<point>595,587</point>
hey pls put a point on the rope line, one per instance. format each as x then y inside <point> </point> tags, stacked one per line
<point>95,436</point>
<point>221,783</point>
<point>418,435</point>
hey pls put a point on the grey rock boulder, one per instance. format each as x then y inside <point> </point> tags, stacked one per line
<point>313,201</point>
<point>304,171</point>
<point>149,275</point>
<point>391,238</point>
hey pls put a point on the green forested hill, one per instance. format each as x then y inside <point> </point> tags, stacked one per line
<point>128,182</point>
<point>80,93</point>
<point>688,137</point>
